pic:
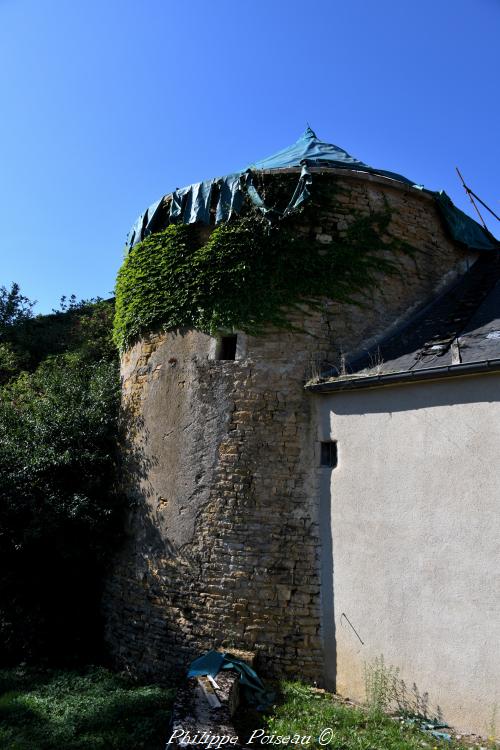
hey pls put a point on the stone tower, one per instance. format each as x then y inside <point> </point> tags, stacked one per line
<point>222,452</point>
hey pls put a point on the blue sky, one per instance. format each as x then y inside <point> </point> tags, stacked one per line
<point>109,104</point>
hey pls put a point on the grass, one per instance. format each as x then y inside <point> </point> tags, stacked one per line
<point>307,713</point>
<point>95,709</point>
<point>85,710</point>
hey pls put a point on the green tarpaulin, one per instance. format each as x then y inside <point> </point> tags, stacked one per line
<point>193,203</point>
<point>462,228</point>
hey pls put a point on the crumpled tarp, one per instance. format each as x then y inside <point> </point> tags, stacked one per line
<point>462,228</point>
<point>213,662</point>
<point>310,150</point>
<point>231,197</point>
<point>428,725</point>
<point>300,194</point>
<point>193,203</point>
<point>142,226</point>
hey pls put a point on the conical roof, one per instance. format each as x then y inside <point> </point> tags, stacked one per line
<point>310,150</point>
<point>194,202</point>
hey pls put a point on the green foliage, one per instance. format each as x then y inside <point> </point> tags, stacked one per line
<point>14,307</point>
<point>59,506</point>
<point>15,310</point>
<point>85,328</point>
<point>81,711</point>
<point>380,685</point>
<point>246,276</point>
<point>304,712</point>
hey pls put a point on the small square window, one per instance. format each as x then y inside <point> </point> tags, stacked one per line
<point>329,454</point>
<point>227,347</point>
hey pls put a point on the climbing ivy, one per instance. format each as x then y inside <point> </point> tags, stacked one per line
<point>245,276</point>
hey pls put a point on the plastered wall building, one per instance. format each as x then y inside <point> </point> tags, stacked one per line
<point>328,494</point>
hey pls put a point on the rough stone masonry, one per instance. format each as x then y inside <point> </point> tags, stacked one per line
<point>221,461</point>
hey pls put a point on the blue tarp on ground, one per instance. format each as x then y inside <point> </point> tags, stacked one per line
<point>193,203</point>
<point>213,662</point>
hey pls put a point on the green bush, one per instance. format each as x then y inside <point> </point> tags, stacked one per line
<point>60,511</point>
<point>246,276</point>
<point>84,328</point>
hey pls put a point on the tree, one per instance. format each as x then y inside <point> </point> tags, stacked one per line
<point>60,509</point>
<point>14,307</point>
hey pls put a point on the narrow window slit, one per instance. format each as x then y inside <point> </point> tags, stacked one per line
<point>329,454</point>
<point>227,347</point>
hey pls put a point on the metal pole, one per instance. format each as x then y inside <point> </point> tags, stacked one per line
<point>484,204</point>
<point>471,198</point>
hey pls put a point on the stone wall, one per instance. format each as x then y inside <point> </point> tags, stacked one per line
<point>220,462</point>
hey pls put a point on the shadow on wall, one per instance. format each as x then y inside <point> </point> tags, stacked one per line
<point>414,703</point>
<point>423,395</point>
<point>385,691</point>
<point>137,468</point>
<point>149,579</point>
<point>327,576</point>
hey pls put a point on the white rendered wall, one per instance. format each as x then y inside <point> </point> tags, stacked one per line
<point>414,533</point>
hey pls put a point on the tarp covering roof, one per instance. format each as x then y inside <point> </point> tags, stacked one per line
<point>193,203</point>
<point>462,228</point>
<point>310,150</point>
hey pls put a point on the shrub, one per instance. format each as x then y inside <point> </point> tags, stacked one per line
<point>59,504</point>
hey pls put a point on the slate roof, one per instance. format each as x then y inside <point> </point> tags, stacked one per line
<point>457,331</point>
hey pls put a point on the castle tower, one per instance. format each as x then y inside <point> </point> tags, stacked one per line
<point>222,453</point>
